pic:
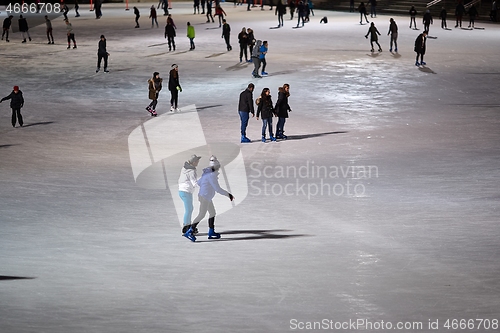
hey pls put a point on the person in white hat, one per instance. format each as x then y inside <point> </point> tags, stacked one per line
<point>188,181</point>
<point>209,184</point>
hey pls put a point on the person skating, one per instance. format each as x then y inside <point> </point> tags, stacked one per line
<point>427,20</point>
<point>137,15</point>
<point>291,5</point>
<point>256,59</point>
<point>154,87</point>
<point>153,16</point>
<point>251,42</point>
<point>373,32</point>
<point>209,185</point>
<point>23,27</point>
<point>245,107</point>
<point>77,7</point>
<point>209,11</point>
<point>282,108</point>
<point>420,48</point>
<point>373,8</point>
<point>98,8</point>
<point>472,15</point>
<point>362,12</point>
<point>203,2</point>
<point>175,87</point>
<point>393,31</point>
<point>6,27</point>
<point>262,56</point>
<point>413,14</point>
<point>70,34</point>
<point>196,6</point>
<point>170,34</point>
<point>226,34</point>
<point>188,182</point>
<point>102,53</point>
<point>190,35</point>
<point>301,13</point>
<point>65,10</point>
<point>220,13</point>
<point>280,11</point>
<point>243,41</point>
<point>459,13</point>
<point>16,103</point>
<point>265,111</point>
<point>48,25</point>
<point>442,15</point>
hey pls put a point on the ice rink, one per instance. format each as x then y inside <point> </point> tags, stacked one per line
<point>379,213</point>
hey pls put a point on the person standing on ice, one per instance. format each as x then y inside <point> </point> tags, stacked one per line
<point>420,48</point>
<point>175,87</point>
<point>188,182</point>
<point>154,86</point>
<point>393,31</point>
<point>245,107</point>
<point>6,27</point>
<point>16,103</point>
<point>427,20</point>
<point>413,14</point>
<point>265,111</point>
<point>373,32</point>
<point>137,14</point>
<point>209,185</point>
<point>102,53</point>
<point>282,108</point>
<point>23,27</point>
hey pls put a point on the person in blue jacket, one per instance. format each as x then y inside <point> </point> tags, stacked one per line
<point>262,56</point>
<point>209,185</point>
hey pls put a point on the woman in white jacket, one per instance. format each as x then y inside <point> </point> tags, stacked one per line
<point>188,181</point>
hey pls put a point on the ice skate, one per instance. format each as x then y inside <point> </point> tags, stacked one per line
<point>189,235</point>
<point>212,234</point>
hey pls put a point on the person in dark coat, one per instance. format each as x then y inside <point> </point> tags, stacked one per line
<point>459,13</point>
<point>245,107</point>
<point>170,33</point>
<point>16,103</point>
<point>362,12</point>
<point>427,20</point>
<point>282,109</point>
<point>175,87</point>
<point>420,48</point>
<point>442,16</point>
<point>97,8</point>
<point>393,31</point>
<point>374,33</point>
<point>472,15</point>
<point>154,87</point>
<point>6,27</point>
<point>301,12</point>
<point>373,8</point>
<point>209,11</point>
<point>226,33</point>
<point>280,11</point>
<point>23,27</point>
<point>48,24</point>
<point>102,53</point>
<point>153,16</point>
<point>137,15</point>
<point>413,14</point>
<point>291,4</point>
<point>251,42</point>
<point>265,111</point>
<point>243,41</point>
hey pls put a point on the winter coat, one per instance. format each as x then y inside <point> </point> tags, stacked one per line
<point>362,9</point>
<point>256,49</point>
<point>155,86</point>
<point>188,180</point>
<point>173,80</point>
<point>243,39</point>
<point>473,12</point>
<point>102,48</point>
<point>246,101</point>
<point>7,23</point>
<point>226,29</point>
<point>152,13</point>
<point>190,31</point>
<point>219,11</point>
<point>443,14</point>
<point>136,12</point>
<point>263,52</point>
<point>23,25</point>
<point>169,30</point>
<point>282,106</point>
<point>459,10</point>
<point>280,8</point>
<point>372,31</point>
<point>209,184</point>
<point>413,12</point>
<point>427,18</point>
<point>393,28</point>
<point>265,107</point>
<point>420,44</point>
<point>16,100</point>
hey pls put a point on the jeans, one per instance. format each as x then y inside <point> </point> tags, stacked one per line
<point>244,116</point>
<point>280,126</point>
<point>265,123</point>
<point>256,66</point>
<point>191,42</point>
<point>187,198</point>
<point>394,39</point>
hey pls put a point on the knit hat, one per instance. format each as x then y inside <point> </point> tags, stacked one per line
<point>16,88</point>
<point>214,162</point>
<point>174,66</point>
<point>193,159</point>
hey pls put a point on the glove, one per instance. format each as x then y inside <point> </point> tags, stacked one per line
<point>231,197</point>
<point>179,88</point>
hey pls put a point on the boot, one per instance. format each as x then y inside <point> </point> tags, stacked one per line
<point>211,229</point>
<point>189,235</point>
<point>185,228</point>
<point>195,229</point>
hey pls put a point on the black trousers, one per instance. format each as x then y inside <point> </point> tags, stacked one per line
<point>16,116</point>
<point>99,59</point>
<point>174,97</point>
<point>226,38</point>
<point>243,50</point>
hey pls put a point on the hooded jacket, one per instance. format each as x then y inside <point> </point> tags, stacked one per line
<point>209,184</point>
<point>188,178</point>
<point>282,106</point>
<point>155,86</point>
<point>16,100</point>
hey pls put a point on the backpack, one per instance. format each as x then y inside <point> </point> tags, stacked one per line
<point>256,49</point>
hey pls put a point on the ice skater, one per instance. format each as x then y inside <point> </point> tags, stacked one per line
<point>77,7</point>
<point>154,86</point>
<point>23,27</point>
<point>153,16</point>
<point>265,112</point>
<point>427,20</point>
<point>6,27</point>
<point>245,107</point>
<point>262,56</point>
<point>413,14</point>
<point>16,103</point>
<point>102,53</point>
<point>196,6</point>
<point>243,41</point>
<point>280,11</point>
<point>220,13</point>
<point>301,13</point>
<point>282,108</point>
<point>393,31</point>
<point>442,15</point>
<point>170,34</point>
<point>226,34</point>
<point>209,11</point>
<point>175,87</point>
<point>137,14</point>
<point>374,33</point>
<point>459,13</point>
<point>209,185</point>
<point>251,42</point>
<point>188,182</point>
<point>420,48</point>
<point>373,8</point>
<point>48,25</point>
<point>291,5</point>
<point>362,12</point>
<point>70,34</point>
<point>256,59</point>
<point>472,15</point>
<point>190,35</point>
